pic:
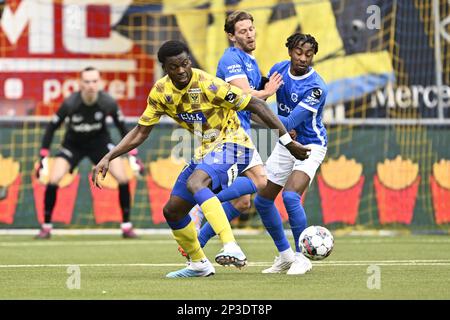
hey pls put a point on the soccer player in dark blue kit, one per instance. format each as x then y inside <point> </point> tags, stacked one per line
<point>300,102</point>
<point>239,67</point>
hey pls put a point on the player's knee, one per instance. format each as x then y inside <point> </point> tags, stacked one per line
<point>122,180</point>
<point>56,177</point>
<point>242,204</point>
<point>260,182</point>
<point>170,213</point>
<point>196,183</point>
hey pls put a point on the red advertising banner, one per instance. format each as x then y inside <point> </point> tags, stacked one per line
<point>106,204</point>
<point>340,205</point>
<point>65,200</point>
<point>45,44</point>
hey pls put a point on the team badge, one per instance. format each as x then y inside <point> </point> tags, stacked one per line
<point>194,95</point>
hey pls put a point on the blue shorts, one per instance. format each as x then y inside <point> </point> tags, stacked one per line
<point>224,164</point>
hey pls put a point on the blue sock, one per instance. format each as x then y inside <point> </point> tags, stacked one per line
<point>296,212</point>
<point>272,221</point>
<point>240,186</point>
<point>203,195</point>
<point>207,232</point>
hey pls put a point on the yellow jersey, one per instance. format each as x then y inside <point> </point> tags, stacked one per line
<point>206,107</point>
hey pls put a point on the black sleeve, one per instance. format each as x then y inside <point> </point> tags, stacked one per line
<point>54,124</point>
<point>119,120</point>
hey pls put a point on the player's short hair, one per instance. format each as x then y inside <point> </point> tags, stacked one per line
<point>171,48</point>
<point>88,68</point>
<point>234,18</point>
<point>300,38</point>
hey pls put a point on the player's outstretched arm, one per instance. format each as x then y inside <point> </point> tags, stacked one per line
<point>262,110</point>
<point>132,140</point>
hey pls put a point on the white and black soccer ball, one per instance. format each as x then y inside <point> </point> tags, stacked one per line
<point>316,242</point>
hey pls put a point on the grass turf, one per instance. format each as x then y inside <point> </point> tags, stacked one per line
<point>411,267</point>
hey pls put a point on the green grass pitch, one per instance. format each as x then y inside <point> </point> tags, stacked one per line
<point>410,267</point>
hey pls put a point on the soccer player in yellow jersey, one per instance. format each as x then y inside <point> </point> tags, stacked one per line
<point>206,106</point>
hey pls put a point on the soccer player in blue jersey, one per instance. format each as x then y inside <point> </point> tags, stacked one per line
<point>239,67</point>
<point>300,102</point>
<point>206,106</point>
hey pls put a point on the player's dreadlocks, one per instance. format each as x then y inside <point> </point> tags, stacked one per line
<point>299,38</point>
<point>171,48</point>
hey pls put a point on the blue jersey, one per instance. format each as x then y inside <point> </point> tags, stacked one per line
<point>235,64</point>
<point>300,103</point>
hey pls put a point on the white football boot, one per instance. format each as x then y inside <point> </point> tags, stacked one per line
<point>301,265</point>
<point>280,265</point>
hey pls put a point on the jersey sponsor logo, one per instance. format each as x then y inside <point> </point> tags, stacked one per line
<point>234,68</point>
<point>77,118</point>
<point>86,127</point>
<point>195,90</point>
<point>285,108</point>
<point>230,96</point>
<point>192,117</point>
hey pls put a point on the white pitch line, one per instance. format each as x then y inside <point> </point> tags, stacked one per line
<point>251,264</point>
<point>81,242</point>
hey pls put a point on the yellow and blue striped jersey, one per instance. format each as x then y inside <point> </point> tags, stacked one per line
<point>206,107</point>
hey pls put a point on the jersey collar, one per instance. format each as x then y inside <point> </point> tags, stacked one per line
<point>194,75</point>
<point>306,75</point>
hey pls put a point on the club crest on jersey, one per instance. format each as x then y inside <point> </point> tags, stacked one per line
<point>192,117</point>
<point>194,95</point>
<point>294,97</point>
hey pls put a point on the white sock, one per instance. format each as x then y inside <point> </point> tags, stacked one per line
<point>200,264</point>
<point>287,254</point>
<point>47,226</point>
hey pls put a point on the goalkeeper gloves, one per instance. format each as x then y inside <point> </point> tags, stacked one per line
<point>43,154</point>
<point>136,164</point>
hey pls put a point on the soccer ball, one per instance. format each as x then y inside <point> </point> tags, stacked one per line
<point>316,242</point>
